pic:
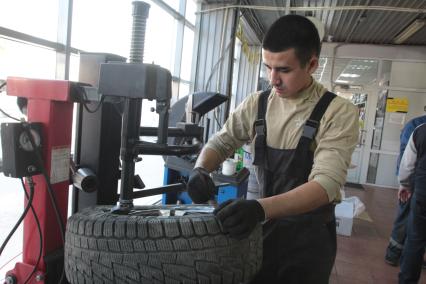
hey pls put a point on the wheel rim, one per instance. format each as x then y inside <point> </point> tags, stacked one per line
<point>169,210</point>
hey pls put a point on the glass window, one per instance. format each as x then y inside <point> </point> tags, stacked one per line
<point>26,60</point>
<point>381,170</point>
<point>183,90</point>
<point>391,117</point>
<point>102,26</point>
<point>74,67</point>
<point>191,8</point>
<point>346,72</point>
<point>173,3</point>
<point>109,30</point>
<point>160,41</point>
<point>36,18</point>
<point>384,76</point>
<point>355,72</point>
<point>359,99</point>
<point>187,52</point>
<point>322,73</point>
<point>11,207</point>
<point>379,120</point>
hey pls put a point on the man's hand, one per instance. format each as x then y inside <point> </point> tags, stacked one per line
<point>200,186</point>
<point>239,217</point>
<point>404,193</point>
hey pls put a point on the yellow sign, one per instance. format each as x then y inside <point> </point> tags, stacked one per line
<point>397,105</point>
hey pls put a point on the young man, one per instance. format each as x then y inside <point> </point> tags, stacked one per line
<point>398,234</point>
<point>303,138</point>
<point>412,171</point>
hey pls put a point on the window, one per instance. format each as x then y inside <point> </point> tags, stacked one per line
<point>173,3</point>
<point>102,26</point>
<point>160,40</point>
<point>191,8</point>
<point>26,60</point>
<point>187,51</point>
<point>109,30</point>
<point>183,90</point>
<point>36,18</point>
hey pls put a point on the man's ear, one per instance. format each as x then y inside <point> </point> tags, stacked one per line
<point>312,64</point>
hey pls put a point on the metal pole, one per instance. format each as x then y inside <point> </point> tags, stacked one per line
<point>231,64</point>
<point>132,112</point>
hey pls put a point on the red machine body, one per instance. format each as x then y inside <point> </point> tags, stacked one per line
<point>49,102</point>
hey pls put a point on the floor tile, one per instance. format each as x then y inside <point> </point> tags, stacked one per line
<point>360,257</point>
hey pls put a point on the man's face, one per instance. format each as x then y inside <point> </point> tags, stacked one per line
<point>286,74</point>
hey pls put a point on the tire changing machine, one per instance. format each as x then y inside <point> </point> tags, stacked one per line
<point>95,174</point>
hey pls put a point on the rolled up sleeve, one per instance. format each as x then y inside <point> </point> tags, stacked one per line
<point>237,130</point>
<point>336,141</point>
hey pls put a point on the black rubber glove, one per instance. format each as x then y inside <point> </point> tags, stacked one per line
<point>239,217</point>
<point>200,186</point>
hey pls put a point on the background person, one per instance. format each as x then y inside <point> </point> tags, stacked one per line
<point>412,173</point>
<point>398,234</point>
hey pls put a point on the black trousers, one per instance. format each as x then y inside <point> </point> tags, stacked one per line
<point>298,253</point>
<point>414,247</point>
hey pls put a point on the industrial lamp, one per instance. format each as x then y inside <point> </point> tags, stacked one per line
<point>409,31</point>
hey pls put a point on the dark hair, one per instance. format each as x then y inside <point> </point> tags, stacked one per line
<point>293,31</point>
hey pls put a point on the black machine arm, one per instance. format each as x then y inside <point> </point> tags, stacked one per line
<point>147,148</point>
<point>170,188</point>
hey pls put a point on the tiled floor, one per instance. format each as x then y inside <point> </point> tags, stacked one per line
<point>360,257</point>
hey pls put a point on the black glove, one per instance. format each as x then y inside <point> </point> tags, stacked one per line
<point>200,186</point>
<point>239,217</point>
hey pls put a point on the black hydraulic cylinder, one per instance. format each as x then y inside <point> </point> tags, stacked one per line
<point>129,137</point>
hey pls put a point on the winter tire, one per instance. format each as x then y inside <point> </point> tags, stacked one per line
<point>157,244</point>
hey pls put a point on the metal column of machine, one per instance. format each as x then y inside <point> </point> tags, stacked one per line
<point>133,82</point>
<point>97,142</point>
<point>49,102</point>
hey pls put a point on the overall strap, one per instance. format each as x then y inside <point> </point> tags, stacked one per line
<point>259,127</point>
<point>310,130</point>
<point>312,124</point>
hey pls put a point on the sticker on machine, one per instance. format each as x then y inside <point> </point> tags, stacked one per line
<point>60,164</point>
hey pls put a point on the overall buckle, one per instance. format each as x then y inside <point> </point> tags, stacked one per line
<point>310,128</point>
<point>259,127</point>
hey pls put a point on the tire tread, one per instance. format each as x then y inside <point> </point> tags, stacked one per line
<point>104,248</point>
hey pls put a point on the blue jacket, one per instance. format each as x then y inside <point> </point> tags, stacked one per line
<point>405,136</point>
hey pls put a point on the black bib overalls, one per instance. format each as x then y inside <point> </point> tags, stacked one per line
<point>298,249</point>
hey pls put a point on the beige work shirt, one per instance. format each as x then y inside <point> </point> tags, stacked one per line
<point>335,141</point>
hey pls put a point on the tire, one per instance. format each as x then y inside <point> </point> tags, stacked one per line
<point>145,247</point>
